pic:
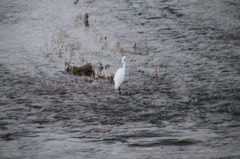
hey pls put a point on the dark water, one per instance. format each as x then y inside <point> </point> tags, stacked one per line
<point>181,96</point>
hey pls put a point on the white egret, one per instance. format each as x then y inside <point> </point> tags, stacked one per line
<point>119,76</point>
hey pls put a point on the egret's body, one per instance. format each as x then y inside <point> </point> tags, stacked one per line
<point>119,76</point>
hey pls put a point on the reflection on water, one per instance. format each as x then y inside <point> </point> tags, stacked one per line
<point>181,94</point>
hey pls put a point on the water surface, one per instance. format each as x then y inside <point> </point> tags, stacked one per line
<point>181,94</point>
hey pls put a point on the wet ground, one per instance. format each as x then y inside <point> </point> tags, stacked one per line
<point>181,94</point>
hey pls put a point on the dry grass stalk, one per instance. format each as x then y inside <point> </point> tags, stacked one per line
<point>85,19</point>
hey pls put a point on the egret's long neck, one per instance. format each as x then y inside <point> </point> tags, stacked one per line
<point>124,65</point>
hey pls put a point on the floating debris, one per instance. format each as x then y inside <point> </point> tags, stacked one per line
<point>76,1</point>
<point>107,67</point>
<point>99,65</point>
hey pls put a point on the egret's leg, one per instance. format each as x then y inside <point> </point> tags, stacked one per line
<point>119,90</point>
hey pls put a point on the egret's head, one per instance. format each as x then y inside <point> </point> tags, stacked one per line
<point>123,59</point>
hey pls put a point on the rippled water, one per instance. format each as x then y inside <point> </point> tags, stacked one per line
<point>181,94</point>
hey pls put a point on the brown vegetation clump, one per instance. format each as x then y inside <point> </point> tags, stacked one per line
<point>59,52</point>
<point>85,70</point>
<point>100,76</point>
